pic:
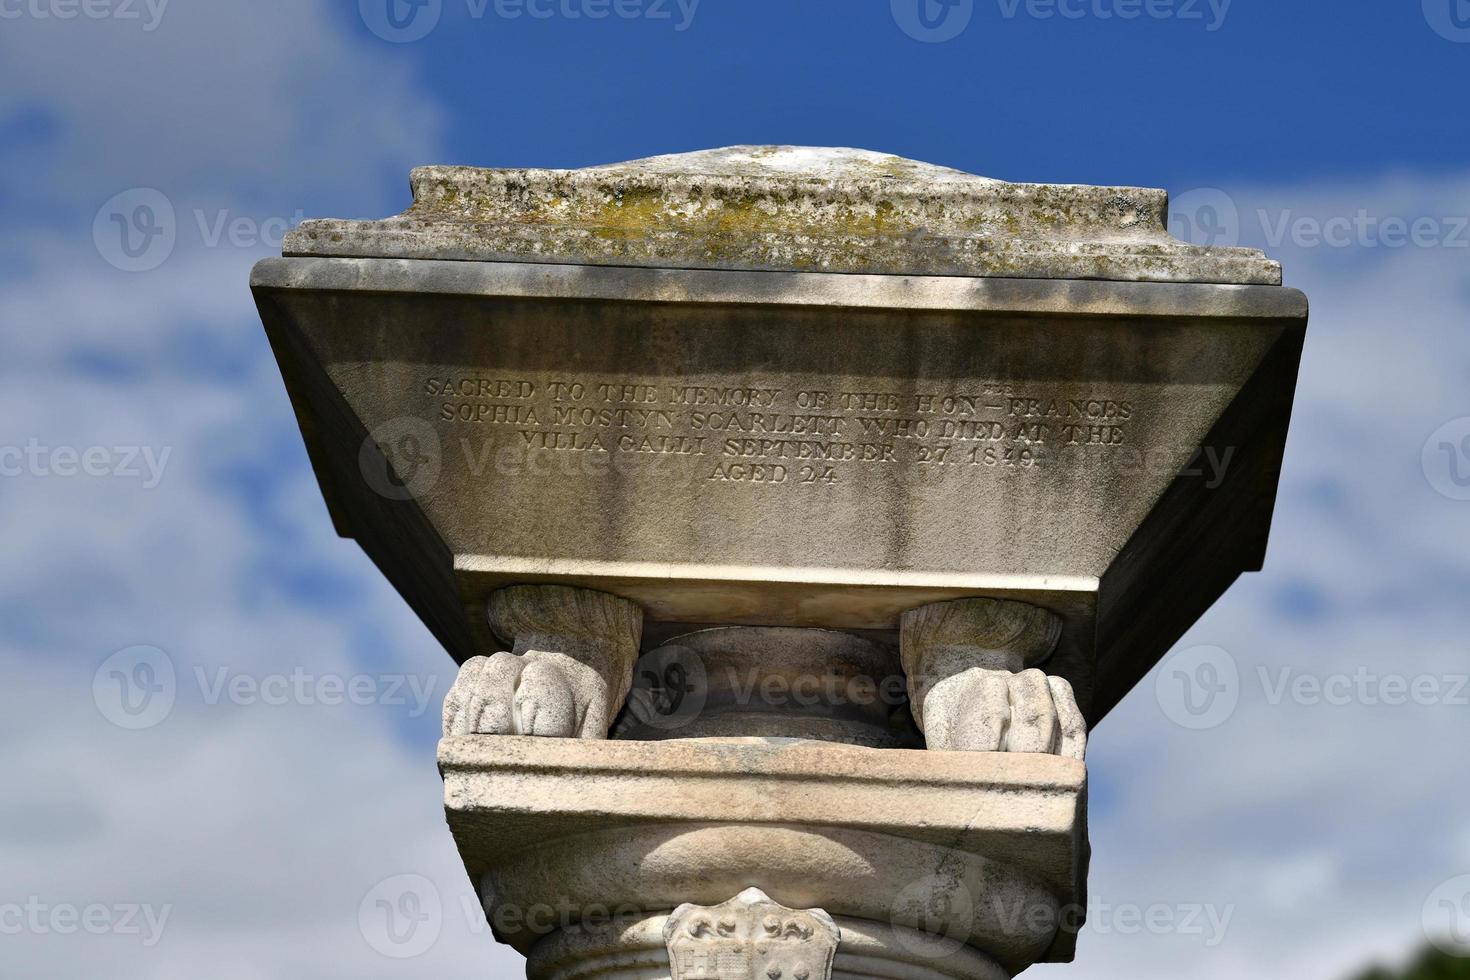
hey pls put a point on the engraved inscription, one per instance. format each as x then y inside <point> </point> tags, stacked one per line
<point>775,434</point>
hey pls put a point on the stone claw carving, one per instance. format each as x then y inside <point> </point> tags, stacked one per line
<point>995,711</point>
<point>972,681</point>
<point>567,675</point>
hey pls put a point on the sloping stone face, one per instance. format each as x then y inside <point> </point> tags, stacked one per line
<point>788,208</point>
<point>794,449</point>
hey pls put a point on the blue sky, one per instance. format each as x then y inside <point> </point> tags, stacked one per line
<point>256,829</point>
<point>1239,90</point>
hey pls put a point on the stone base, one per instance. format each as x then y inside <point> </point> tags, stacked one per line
<point>974,853</point>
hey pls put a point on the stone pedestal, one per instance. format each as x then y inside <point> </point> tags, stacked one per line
<point>935,859</point>
<point>678,456</point>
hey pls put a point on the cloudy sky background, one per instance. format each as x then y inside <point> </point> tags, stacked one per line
<point>238,838</point>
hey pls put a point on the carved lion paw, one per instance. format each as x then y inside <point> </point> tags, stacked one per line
<point>538,693</point>
<point>982,710</point>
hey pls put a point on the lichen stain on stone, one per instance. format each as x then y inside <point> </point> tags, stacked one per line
<point>775,207</point>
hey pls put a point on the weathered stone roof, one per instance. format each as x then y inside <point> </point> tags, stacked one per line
<point>790,208</point>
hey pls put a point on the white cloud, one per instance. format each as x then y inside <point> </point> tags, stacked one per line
<point>269,96</point>
<point>1325,826</point>
<point>255,828</point>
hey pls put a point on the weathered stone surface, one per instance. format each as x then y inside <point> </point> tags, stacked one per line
<point>567,675</point>
<point>795,449</point>
<point>635,950</point>
<point>790,208</point>
<point>956,845</point>
<point>983,710</point>
<point>750,937</point>
<point>972,681</point>
<point>944,638</point>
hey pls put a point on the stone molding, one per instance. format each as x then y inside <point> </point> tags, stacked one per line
<point>866,951</point>
<point>975,851</point>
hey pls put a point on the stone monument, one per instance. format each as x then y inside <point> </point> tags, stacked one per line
<point>793,514</point>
